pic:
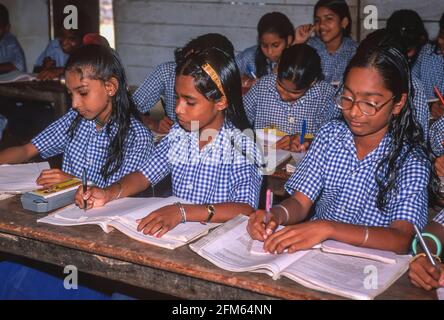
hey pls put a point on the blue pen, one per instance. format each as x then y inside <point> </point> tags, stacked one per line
<point>304,129</point>
<point>250,72</point>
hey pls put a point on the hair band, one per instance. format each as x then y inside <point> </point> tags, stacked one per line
<point>213,75</point>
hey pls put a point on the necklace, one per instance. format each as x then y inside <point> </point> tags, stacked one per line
<point>99,123</point>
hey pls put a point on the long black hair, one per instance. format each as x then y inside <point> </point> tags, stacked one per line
<point>273,22</point>
<point>406,134</point>
<point>205,41</point>
<point>340,7</point>
<point>228,73</point>
<point>409,28</point>
<point>102,63</point>
<point>301,65</point>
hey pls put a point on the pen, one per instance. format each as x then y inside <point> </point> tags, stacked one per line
<point>84,187</point>
<point>250,72</point>
<point>439,95</point>
<point>268,205</point>
<point>425,248</point>
<point>304,129</point>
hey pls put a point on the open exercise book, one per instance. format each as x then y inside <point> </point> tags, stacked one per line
<point>19,178</point>
<point>341,273</point>
<point>122,215</point>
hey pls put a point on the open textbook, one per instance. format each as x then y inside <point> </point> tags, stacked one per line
<point>16,76</point>
<point>229,247</point>
<point>122,215</point>
<point>20,178</point>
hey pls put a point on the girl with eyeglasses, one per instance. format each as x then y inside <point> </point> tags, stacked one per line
<point>366,176</point>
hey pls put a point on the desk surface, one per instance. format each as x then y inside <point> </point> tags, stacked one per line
<point>179,272</point>
<point>47,91</point>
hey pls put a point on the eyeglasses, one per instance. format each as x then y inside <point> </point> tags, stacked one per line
<point>366,107</point>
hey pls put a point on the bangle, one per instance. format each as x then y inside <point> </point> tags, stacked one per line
<point>287,214</point>
<point>419,255</point>
<point>431,236</point>
<point>182,212</point>
<point>365,237</point>
<point>120,190</point>
<point>211,211</point>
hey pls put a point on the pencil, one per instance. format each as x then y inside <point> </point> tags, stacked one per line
<point>84,187</point>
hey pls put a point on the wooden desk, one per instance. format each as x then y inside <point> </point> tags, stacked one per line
<point>180,273</point>
<point>46,91</point>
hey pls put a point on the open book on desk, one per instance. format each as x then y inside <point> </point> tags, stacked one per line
<point>228,247</point>
<point>20,178</point>
<point>122,215</point>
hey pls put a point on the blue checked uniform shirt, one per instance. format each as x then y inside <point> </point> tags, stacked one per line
<point>158,84</point>
<point>12,52</point>
<point>246,62</point>
<point>437,137</point>
<point>89,147</point>
<point>344,188</point>
<point>429,68</point>
<point>264,107</point>
<point>334,64</point>
<point>55,52</point>
<point>218,173</point>
<point>440,217</point>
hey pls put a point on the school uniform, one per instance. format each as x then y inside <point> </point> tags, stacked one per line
<point>12,52</point>
<point>344,188</point>
<point>158,84</point>
<point>88,148</point>
<point>225,170</point>
<point>54,51</point>
<point>429,68</point>
<point>264,107</point>
<point>421,109</point>
<point>334,64</point>
<point>439,218</point>
<point>437,137</point>
<point>246,62</point>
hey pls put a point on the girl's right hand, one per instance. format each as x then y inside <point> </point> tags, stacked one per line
<point>95,197</point>
<point>257,226</point>
<point>439,166</point>
<point>303,33</point>
<point>437,110</point>
<point>424,275</point>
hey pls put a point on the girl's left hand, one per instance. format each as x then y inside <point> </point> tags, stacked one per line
<point>51,177</point>
<point>161,221</point>
<point>292,143</point>
<point>298,237</point>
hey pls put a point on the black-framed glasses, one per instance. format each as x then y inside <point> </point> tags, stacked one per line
<point>368,108</point>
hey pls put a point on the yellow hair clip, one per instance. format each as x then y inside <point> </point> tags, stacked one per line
<point>213,75</point>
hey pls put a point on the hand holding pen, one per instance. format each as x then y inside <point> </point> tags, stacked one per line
<point>262,222</point>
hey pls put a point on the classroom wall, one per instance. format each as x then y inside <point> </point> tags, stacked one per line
<point>429,10</point>
<point>148,31</point>
<point>29,20</point>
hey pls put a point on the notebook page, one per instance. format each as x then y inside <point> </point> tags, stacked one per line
<point>345,275</point>
<point>20,178</point>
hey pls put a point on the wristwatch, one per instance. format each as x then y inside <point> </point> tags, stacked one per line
<point>211,211</point>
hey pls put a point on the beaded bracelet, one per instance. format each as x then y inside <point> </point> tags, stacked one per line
<point>431,236</point>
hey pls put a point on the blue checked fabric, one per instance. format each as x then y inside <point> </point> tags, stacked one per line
<point>344,189</point>
<point>216,174</point>
<point>333,65</point>
<point>440,217</point>
<point>264,107</point>
<point>437,137</point>
<point>89,147</point>
<point>429,68</point>
<point>246,62</point>
<point>158,84</point>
